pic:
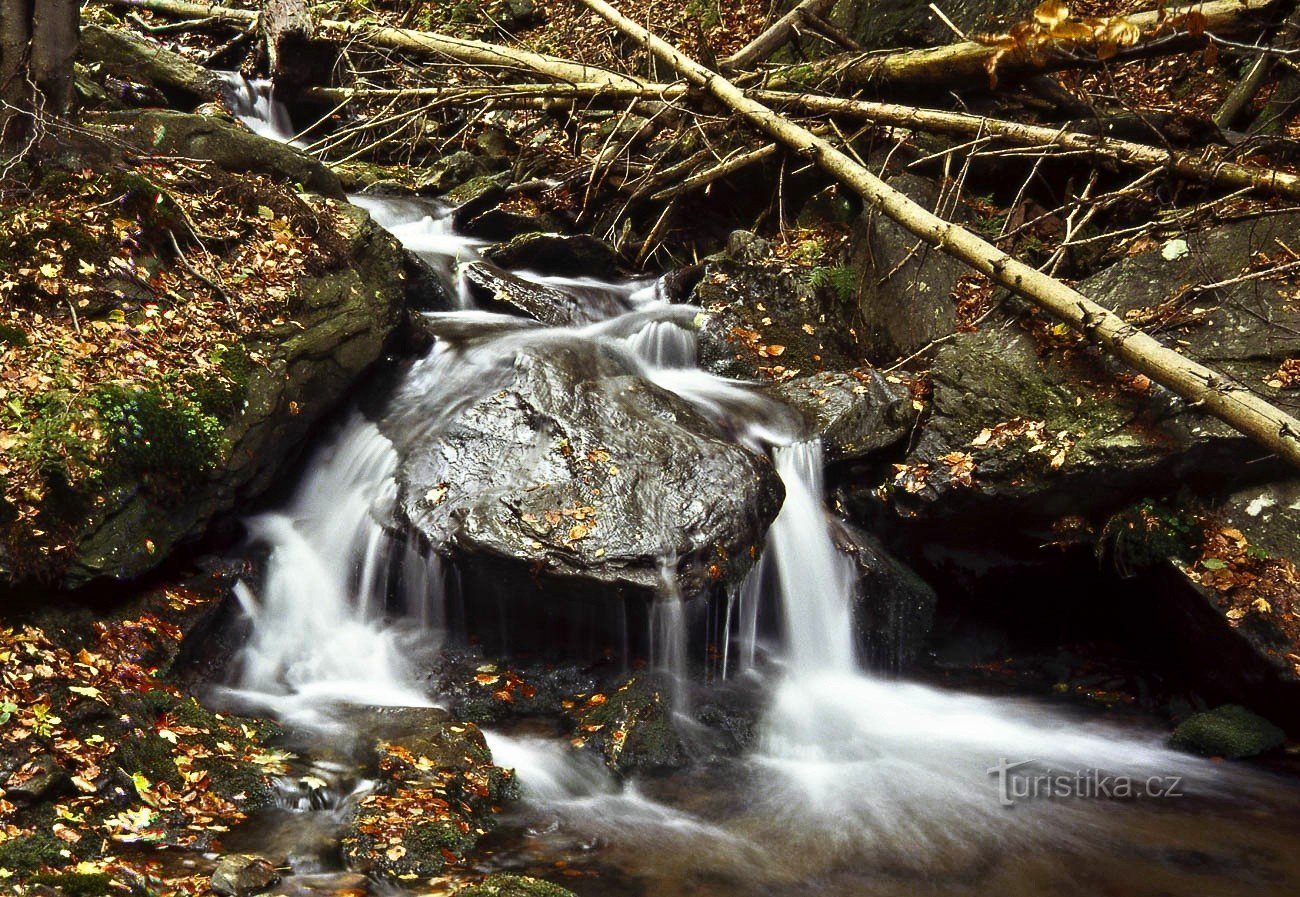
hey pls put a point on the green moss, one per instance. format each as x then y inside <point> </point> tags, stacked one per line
<point>502,885</point>
<point>31,852</point>
<point>1145,535</point>
<point>155,433</point>
<point>1229,731</point>
<point>77,884</point>
<point>12,336</point>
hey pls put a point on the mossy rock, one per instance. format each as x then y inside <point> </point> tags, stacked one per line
<point>1229,731</point>
<point>502,885</point>
<point>142,61</point>
<point>632,729</point>
<point>29,853</point>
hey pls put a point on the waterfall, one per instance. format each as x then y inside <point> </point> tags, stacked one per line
<point>848,771</point>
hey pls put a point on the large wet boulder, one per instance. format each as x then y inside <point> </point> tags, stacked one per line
<point>893,606</point>
<point>572,478</point>
<point>768,319</point>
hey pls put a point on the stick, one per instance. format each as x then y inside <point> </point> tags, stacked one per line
<point>1233,175</point>
<point>774,37</point>
<point>1238,407</point>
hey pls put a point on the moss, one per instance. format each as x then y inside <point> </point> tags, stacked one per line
<point>11,335</point>
<point>155,433</point>
<point>502,885</point>
<point>222,394</point>
<point>1145,535</point>
<point>77,884</point>
<point>29,853</point>
<point>1229,731</point>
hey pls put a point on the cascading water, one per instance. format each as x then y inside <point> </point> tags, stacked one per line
<point>854,784</point>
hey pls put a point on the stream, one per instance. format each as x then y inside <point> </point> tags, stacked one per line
<point>856,784</point>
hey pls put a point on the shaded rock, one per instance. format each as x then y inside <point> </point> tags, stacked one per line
<point>893,606</point>
<point>572,474</point>
<point>225,142</point>
<point>242,875</point>
<point>450,172</point>
<point>630,727</point>
<point>486,207</point>
<point>438,793</point>
<point>856,414</point>
<point>502,885</point>
<point>764,319</point>
<point>884,24</point>
<point>496,289</point>
<point>576,256</point>
<point>902,284</point>
<point>1229,731</point>
<point>388,723</point>
<point>485,692</point>
<point>180,82</point>
<point>344,314</point>
<point>39,778</point>
<point>747,247</point>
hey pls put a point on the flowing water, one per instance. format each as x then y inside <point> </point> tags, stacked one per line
<point>854,784</point>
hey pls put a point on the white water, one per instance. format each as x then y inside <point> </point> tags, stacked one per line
<point>848,769</point>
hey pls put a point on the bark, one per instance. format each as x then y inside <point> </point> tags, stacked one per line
<point>38,43</point>
<point>1236,406</point>
<point>775,36</point>
<point>288,33</point>
<point>420,43</point>
<point>965,65</point>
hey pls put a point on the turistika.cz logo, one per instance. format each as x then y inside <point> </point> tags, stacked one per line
<point>1024,780</point>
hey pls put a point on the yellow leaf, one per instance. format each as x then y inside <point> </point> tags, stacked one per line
<point>1051,12</point>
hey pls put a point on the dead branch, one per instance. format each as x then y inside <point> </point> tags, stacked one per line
<point>1239,407</point>
<point>775,36</point>
<point>967,64</point>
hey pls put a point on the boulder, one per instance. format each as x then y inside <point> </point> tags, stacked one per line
<point>570,473</point>
<point>885,24</point>
<point>631,727</point>
<point>496,289</point>
<point>541,253</point>
<point>1229,731</point>
<point>503,885</point>
<point>893,606</point>
<point>182,83</point>
<point>242,875</point>
<point>764,319</point>
<point>450,172</point>
<point>902,284</point>
<point>343,315</point>
<point>856,413</point>
<point>225,142</point>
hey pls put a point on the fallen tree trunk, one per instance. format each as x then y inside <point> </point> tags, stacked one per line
<point>421,43</point>
<point>774,37</point>
<point>1236,406</point>
<point>968,64</point>
<point>1207,170</point>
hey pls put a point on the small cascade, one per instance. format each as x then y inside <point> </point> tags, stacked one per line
<point>252,103</point>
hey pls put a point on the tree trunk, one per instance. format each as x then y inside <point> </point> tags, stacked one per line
<point>294,56</point>
<point>1236,406</point>
<point>38,43</point>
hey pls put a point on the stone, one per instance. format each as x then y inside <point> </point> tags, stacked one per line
<point>857,413</point>
<point>242,875</point>
<point>1229,731</point>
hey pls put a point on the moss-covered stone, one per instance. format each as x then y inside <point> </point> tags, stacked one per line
<point>502,885</point>
<point>1229,731</point>
<point>631,727</point>
<point>29,853</point>
<point>76,884</point>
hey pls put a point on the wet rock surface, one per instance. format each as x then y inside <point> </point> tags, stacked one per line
<point>242,875</point>
<point>856,413</point>
<point>576,470</point>
<point>630,726</point>
<point>579,255</point>
<point>499,290</point>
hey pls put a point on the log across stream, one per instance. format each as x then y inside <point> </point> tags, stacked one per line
<point>852,783</point>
